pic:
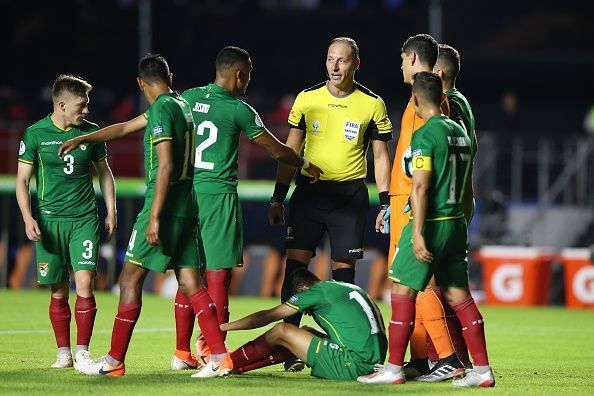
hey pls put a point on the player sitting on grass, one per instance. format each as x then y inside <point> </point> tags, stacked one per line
<point>355,339</point>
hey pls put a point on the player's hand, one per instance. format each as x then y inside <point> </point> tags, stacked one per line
<point>420,250</point>
<point>111,223</point>
<point>382,222</point>
<point>32,230</point>
<point>314,172</point>
<point>276,213</point>
<point>68,146</point>
<point>224,327</point>
<point>152,232</point>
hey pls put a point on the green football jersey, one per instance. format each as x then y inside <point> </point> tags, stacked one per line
<point>170,118</point>
<point>460,111</point>
<point>219,117</point>
<point>347,315</point>
<point>64,185</point>
<point>443,147</point>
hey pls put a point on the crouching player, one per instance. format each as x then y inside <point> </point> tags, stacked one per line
<point>355,339</point>
<point>434,242</point>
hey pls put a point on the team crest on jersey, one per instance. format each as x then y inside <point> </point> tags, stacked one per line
<point>157,130</point>
<point>22,148</point>
<point>293,300</point>
<point>407,162</point>
<point>351,130</point>
<point>83,147</point>
<point>43,269</point>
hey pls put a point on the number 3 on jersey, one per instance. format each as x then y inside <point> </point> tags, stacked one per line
<point>210,140</point>
<point>69,164</point>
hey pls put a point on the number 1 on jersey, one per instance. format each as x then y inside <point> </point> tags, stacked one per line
<point>354,295</point>
<point>210,140</point>
<point>452,199</point>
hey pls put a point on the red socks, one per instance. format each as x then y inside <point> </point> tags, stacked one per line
<point>251,352</point>
<point>455,329</point>
<point>218,288</point>
<point>473,330</point>
<point>207,320</point>
<point>276,357</point>
<point>84,314</point>
<point>123,326</point>
<point>184,322</point>
<point>59,313</point>
<point>401,327</point>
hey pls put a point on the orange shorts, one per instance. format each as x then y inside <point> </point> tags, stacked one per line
<point>398,219</point>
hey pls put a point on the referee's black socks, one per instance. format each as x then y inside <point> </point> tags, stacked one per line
<point>344,275</point>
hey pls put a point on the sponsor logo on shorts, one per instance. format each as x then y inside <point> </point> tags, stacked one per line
<point>22,148</point>
<point>293,299</point>
<point>157,130</point>
<point>359,250</point>
<point>86,263</point>
<point>289,237</point>
<point>43,269</point>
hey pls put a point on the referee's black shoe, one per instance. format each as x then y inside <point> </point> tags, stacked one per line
<point>294,364</point>
<point>446,368</point>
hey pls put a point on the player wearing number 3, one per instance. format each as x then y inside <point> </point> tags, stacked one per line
<point>66,228</point>
<point>355,338</point>
<point>220,118</point>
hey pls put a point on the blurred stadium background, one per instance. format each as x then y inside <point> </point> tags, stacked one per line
<point>526,69</point>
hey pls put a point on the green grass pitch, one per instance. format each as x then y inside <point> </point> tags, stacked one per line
<point>536,351</point>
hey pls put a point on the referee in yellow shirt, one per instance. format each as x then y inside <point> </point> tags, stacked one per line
<point>336,120</point>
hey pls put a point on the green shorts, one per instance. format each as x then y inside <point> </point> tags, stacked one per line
<point>66,244</point>
<point>221,230</point>
<point>178,247</point>
<point>447,240</point>
<point>330,361</point>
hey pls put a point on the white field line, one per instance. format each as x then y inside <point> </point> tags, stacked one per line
<point>49,331</point>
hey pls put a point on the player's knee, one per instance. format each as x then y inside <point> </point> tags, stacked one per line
<point>280,330</point>
<point>60,290</point>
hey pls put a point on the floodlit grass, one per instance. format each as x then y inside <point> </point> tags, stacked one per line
<point>533,351</point>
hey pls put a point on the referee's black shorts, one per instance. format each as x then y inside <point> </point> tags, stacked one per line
<point>339,208</point>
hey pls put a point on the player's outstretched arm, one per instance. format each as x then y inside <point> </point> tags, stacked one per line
<point>381,161</point>
<point>164,151</point>
<point>259,319</point>
<point>286,155</point>
<point>418,199</point>
<point>107,185</point>
<point>24,173</point>
<point>112,132</point>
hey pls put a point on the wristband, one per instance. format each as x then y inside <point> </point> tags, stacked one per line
<point>384,200</point>
<point>280,192</point>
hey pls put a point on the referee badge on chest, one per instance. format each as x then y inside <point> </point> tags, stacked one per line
<point>351,130</point>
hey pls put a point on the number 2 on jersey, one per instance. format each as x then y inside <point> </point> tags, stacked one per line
<point>210,140</point>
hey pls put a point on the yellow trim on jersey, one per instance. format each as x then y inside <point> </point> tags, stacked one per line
<point>292,306</point>
<point>42,177</point>
<point>256,136</point>
<point>25,161</point>
<point>444,218</point>
<point>135,262</point>
<point>422,163</point>
<point>145,115</point>
<point>150,155</point>
<point>161,139</point>
<point>333,329</point>
<point>394,278</point>
<point>102,158</point>
<point>318,347</point>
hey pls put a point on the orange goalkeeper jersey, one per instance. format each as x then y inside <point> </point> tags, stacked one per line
<point>400,183</point>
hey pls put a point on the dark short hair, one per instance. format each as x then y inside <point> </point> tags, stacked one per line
<point>74,85</point>
<point>153,68</point>
<point>449,57</point>
<point>429,86</point>
<point>424,46</point>
<point>231,56</point>
<point>348,41</point>
<point>301,277</point>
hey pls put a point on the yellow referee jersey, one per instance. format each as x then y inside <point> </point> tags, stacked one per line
<point>338,129</point>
